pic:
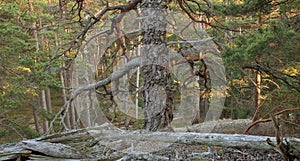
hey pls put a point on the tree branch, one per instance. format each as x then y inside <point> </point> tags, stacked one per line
<point>275,74</point>
<point>114,76</point>
<point>270,118</point>
<point>92,20</point>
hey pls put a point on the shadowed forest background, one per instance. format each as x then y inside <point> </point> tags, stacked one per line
<point>259,42</point>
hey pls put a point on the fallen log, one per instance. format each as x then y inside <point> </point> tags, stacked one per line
<point>95,143</point>
<point>240,126</point>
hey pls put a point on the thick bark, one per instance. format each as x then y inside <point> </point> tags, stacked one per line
<point>157,88</point>
<point>157,94</point>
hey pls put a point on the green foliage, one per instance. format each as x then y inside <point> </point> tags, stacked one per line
<point>31,62</point>
<point>244,7</point>
<point>25,58</point>
<point>138,123</point>
<point>15,45</point>
<point>13,129</point>
<point>274,46</point>
<point>275,41</point>
<point>4,133</point>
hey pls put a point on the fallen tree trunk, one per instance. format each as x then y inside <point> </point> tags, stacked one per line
<point>95,143</point>
<point>239,126</point>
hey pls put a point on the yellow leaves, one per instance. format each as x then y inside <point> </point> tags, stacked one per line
<point>30,91</point>
<point>7,88</point>
<point>71,54</point>
<point>176,81</point>
<point>292,70</point>
<point>3,88</point>
<point>23,69</point>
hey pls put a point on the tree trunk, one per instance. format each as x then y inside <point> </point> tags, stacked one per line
<point>257,78</point>
<point>137,80</point>
<point>35,115</point>
<point>44,106</point>
<point>257,94</point>
<point>157,89</point>
<point>35,35</point>
<point>48,99</point>
<point>204,107</point>
<point>71,114</point>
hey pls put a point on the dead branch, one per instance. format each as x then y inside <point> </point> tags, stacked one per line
<point>88,143</point>
<point>286,110</point>
<point>114,76</point>
<point>92,20</point>
<point>192,15</point>
<point>270,118</point>
<point>289,122</point>
<point>257,122</point>
<point>282,145</point>
<point>290,81</point>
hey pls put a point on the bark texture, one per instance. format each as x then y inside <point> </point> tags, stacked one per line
<point>158,87</point>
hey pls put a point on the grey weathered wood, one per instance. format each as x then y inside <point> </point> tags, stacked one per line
<point>10,151</point>
<point>142,156</point>
<point>93,143</point>
<point>212,139</point>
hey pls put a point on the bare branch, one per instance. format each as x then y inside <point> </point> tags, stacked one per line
<point>275,74</point>
<point>190,41</point>
<point>191,15</point>
<point>270,118</point>
<point>92,20</point>
<point>114,76</point>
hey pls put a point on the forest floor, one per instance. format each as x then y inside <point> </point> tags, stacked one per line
<point>182,152</point>
<point>205,153</point>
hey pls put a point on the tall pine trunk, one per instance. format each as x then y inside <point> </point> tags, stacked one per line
<point>42,94</point>
<point>257,103</point>
<point>157,88</point>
